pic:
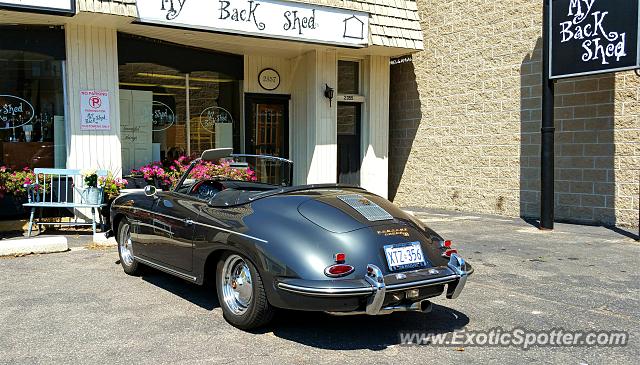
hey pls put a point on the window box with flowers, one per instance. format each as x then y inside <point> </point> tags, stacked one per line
<point>13,192</point>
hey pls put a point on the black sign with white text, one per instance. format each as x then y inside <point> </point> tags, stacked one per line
<point>593,36</point>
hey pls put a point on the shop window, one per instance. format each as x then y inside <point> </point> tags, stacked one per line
<point>348,77</point>
<point>32,125</point>
<point>171,109</point>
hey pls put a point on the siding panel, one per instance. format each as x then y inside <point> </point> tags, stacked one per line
<point>92,65</point>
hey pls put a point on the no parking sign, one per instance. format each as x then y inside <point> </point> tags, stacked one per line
<point>94,107</point>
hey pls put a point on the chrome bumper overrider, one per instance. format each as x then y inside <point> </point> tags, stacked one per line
<point>377,289</point>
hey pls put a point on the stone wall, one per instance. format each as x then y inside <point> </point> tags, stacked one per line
<point>465,121</point>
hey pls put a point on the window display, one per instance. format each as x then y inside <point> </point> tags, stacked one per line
<point>170,109</point>
<point>32,125</point>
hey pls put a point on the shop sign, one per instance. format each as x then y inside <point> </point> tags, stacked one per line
<point>163,116</point>
<point>214,115</point>
<point>265,18</point>
<point>593,36</point>
<point>64,6</point>
<point>269,79</point>
<point>94,107</point>
<point>14,112</point>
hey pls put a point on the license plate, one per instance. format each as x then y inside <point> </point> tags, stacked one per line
<point>404,256</point>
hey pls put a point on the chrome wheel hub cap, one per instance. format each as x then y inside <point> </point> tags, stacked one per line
<point>126,251</point>
<point>237,285</point>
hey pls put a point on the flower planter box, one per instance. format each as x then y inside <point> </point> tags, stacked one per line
<point>11,207</point>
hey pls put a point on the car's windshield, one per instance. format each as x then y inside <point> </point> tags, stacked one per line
<point>257,170</point>
<point>267,169</point>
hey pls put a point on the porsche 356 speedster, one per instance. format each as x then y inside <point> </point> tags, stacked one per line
<point>332,248</point>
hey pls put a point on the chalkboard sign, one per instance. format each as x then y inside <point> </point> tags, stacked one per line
<point>593,36</point>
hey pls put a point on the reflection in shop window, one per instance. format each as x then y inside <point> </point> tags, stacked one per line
<point>166,114</point>
<point>348,77</point>
<point>32,132</point>
<point>175,101</point>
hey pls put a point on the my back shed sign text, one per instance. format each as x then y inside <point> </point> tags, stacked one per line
<point>593,36</point>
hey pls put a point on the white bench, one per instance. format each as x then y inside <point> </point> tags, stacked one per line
<point>58,186</point>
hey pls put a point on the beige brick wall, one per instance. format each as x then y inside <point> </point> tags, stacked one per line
<point>465,121</point>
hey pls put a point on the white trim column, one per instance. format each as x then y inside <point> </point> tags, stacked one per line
<point>92,64</point>
<point>374,173</point>
<point>322,137</point>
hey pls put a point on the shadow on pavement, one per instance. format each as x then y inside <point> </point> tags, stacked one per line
<point>374,333</point>
<point>203,296</point>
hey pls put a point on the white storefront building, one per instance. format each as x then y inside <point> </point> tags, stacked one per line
<point>119,84</point>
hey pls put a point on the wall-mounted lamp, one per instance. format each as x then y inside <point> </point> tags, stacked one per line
<point>328,93</point>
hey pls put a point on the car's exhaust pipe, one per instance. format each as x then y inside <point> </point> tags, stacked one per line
<point>423,306</point>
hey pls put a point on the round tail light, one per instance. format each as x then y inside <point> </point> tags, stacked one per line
<point>338,270</point>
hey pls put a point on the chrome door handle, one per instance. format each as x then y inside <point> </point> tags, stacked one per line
<point>188,222</point>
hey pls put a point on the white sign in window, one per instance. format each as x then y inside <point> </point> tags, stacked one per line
<point>94,106</point>
<point>266,18</point>
<point>44,5</point>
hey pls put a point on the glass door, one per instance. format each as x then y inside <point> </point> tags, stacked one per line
<point>267,132</point>
<point>349,159</point>
<point>267,125</point>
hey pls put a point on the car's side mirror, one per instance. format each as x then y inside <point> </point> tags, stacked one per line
<point>150,190</point>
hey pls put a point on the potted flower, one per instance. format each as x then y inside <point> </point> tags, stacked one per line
<point>111,187</point>
<point>92,194</point>
<point>154,174</point>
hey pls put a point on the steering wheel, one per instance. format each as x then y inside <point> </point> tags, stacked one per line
<point>206,189</point>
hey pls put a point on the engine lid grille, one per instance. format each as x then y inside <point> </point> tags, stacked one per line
<point>370,210</point>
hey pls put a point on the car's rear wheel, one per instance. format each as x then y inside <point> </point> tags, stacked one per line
<point>125,249</point>
<point>241,293</point>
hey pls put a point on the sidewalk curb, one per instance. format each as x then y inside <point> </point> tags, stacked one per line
<point>25,246</point>
<point>101,240</point>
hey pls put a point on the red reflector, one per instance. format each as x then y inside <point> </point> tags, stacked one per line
<point>447,243</point>
<point>338,270</point>
<point>449,252</point>
<point>340,258</point>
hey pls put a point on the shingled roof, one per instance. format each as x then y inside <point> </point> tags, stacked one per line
<point>115,7</point>
<point>392,23</point>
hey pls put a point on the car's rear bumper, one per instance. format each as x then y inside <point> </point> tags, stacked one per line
<point>376,293</point>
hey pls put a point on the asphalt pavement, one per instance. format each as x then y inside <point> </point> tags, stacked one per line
<point>79,307</point>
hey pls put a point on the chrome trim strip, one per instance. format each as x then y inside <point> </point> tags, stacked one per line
<point>166,269</point>
<point>266,157</point>
<point>325,292</point>
<point>148,211</point>
<point>426,282</point>
<point>363,290</point>
<point>232,232</point>
<point>197,223</point>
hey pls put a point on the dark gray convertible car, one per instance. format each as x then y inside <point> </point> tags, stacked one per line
<point>332,248</point>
